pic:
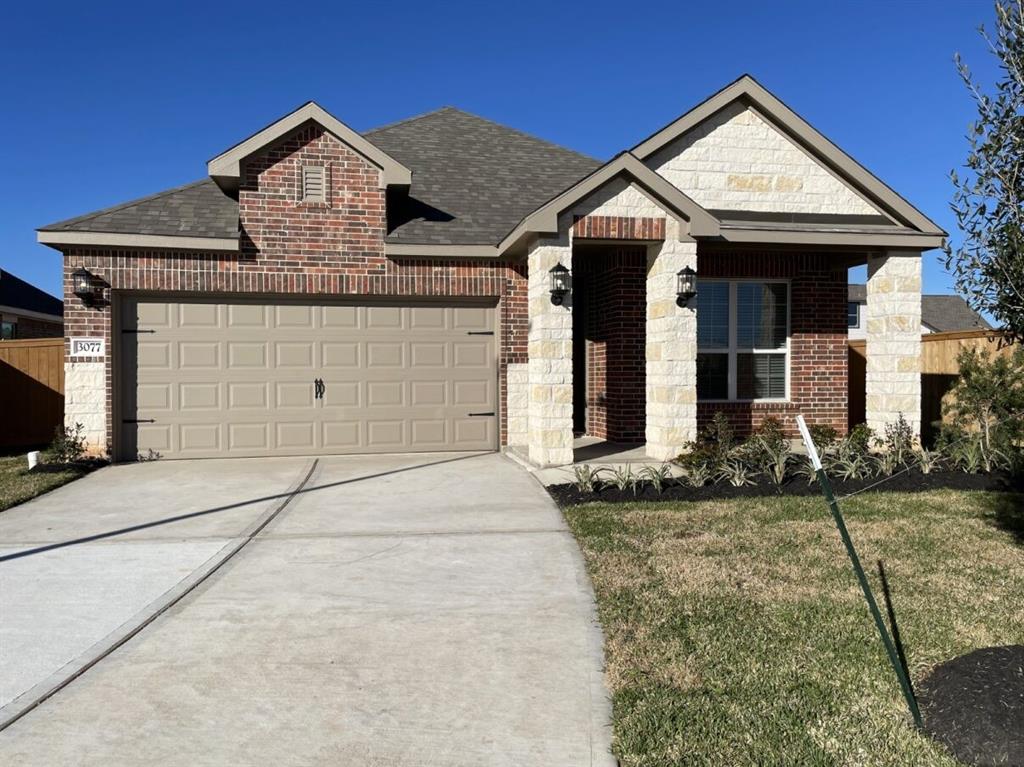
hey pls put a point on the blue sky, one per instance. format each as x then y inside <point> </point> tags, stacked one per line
<point>107,101</point>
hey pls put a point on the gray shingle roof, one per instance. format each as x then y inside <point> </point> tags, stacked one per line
<point>18,294</point>
<point>942,313</point>
<point>199,209</point>
<point>473,181</point>
<point>945,313</point>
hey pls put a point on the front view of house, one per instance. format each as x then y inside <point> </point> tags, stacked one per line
<point>446,283</point>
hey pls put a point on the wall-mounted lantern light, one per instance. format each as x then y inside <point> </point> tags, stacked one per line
<point>84,287</point>
<point>686,285</point>
<point>561,283</point>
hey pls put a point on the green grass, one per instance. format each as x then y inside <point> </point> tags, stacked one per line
<point>735,632</point>
<point>18,484</point>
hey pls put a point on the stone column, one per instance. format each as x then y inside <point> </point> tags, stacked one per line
<point>550,357</point>
<point>894,340</point>
<point>671,349</point>
<point>85,402</point>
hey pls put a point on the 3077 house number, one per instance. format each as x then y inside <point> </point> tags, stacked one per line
<point>88,347</point>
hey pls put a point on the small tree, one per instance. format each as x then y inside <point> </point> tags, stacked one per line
<point>988,264</point>
<point>988,399</point>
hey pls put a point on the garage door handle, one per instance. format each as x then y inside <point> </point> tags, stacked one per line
<point>318,388</point>
<point>474,415</point>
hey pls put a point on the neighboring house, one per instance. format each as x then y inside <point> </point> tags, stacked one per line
<point>28,312</point>
<point>939,313</point>
<point>325,291</point>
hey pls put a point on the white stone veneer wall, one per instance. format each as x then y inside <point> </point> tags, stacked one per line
<point>893,323</point>
<point>671,349</point>
<point>550,357</point>
<point>517,404</point>
<point>85,402</point>
<point>736,161</point>
<point>618,198</point>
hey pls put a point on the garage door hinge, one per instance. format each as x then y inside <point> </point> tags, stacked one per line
<point>138,420</point>
<point>479,332</point>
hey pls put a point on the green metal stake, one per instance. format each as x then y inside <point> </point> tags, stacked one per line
<point>837,515</point>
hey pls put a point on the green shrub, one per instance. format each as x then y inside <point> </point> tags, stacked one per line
<point>988,400</point>
<point>898,443</point>
<point>68,444</point>
<point>824,436</point>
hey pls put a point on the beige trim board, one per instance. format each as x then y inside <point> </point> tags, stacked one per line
<point>120,240</point>
<point>912,240</point>
<point>747,89</point>
<point>225,168</point>
<point>411,249</point>
<point>696,221</point>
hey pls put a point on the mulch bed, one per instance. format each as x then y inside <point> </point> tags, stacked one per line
<point>908,482</point>
<point>974,706</point>
<point>84,465</point>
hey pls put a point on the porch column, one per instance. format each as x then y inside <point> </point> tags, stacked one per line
<point>671,349</point>
<point>893,383</point>
<point>550,357</point>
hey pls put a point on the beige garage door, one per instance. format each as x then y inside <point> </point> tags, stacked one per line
<point>206,379</point>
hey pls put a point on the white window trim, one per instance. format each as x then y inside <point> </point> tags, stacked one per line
<point>859,305</point>
<point>732,349</point>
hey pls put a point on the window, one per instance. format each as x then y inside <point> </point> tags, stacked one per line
<point>852,314</point>
<point>313,186</point>
<point>8,330</point>
<point>742,340</point>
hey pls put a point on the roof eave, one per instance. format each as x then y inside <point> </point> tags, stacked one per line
<point>60,238</point>
<point>871,240</point>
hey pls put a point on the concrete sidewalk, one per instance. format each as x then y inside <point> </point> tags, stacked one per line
<point>402,610</point>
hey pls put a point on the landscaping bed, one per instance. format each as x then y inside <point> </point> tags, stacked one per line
<point>735,632</point>
<point>911,481</point>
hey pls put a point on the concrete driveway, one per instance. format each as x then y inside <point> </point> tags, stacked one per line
<point>398,610</point>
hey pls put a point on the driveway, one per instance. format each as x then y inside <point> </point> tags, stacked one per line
<point>398,610</point>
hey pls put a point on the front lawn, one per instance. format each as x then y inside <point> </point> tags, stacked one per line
<point>735,632</point>
<point>18,484</point>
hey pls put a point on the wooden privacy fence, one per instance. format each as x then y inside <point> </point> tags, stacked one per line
<point>31,391</point>
<point>939,371</point>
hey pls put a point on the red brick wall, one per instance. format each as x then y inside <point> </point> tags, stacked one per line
<point>818,343</point>
<point>28,327</point>
<point>294,248</point>
<point>615,283</point>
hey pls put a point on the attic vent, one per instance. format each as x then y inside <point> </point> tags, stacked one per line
<point>313,185</point>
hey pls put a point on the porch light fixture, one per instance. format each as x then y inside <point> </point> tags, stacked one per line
<point>83,286</point>
<point>686,285</point>
<point>561,282</point>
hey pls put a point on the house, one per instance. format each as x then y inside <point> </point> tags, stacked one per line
<point>939,313</point>
<point>28,312</point>
<point>446,283</point>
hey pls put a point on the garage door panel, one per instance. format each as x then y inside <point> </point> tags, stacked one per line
<point>203,355</point>
<point>198,396</point>
<point>246,437</point>
<point>236,379</point>
<point>199,316</point>
<point>201,438</point>
<point>341,436</point>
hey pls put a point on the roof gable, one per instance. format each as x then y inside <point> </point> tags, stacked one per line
<point>768,121</point>
<point>225,168</point>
